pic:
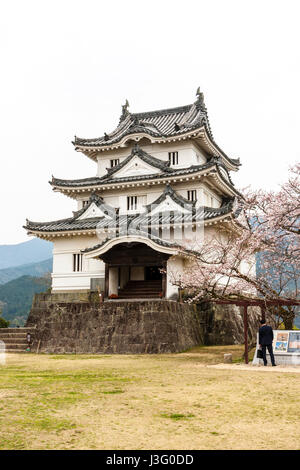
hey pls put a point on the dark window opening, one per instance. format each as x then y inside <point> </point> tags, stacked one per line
<point>173,158</point>
<point>192,195</point>
<point>114,162</point>
<point>77,262</point>
<point>131,203</point>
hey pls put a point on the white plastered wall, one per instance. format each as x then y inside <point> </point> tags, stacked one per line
<point>188,154</point>
<point>206,196</point>
<point>175,266</point>
<point>63,276</point>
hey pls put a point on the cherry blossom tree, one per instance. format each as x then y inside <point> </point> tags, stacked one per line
<point>264,234</point>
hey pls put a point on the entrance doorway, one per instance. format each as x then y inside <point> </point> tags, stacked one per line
<point>133,271</point>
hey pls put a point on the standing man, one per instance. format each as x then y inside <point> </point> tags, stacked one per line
<point>265,341</point>
<point>28,342</point>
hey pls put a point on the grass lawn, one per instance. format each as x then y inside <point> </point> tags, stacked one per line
<point>174,401</point>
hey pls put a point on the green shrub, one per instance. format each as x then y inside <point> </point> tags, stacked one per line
<point>4,323</point>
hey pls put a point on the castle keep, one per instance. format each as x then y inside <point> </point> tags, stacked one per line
<point>162,186</point>
<point>161,183</point>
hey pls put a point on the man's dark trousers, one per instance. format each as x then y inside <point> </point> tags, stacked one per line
<point>265,340</point>
<point>270,349</point>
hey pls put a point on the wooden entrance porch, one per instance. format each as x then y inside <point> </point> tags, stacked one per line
<point>135,271</point>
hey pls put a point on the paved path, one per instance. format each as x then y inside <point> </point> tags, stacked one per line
<point>259,368</point>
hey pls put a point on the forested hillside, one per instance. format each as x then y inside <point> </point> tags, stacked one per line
<point>16,297</point>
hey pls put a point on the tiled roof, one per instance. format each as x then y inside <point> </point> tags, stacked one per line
<point>72,223</point>
<point>63,225</point>
<point>123,222</point>
<point>166,172</point>
<point>139,224</point>
<point>202,213</point>
<point>98,200</point>
<point>161,123</point>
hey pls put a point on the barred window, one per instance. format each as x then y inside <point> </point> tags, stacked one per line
<point>192,195</point>
<point>114,162</point>
<point>77,262</point>
<point>173,158</point>
<point>85,203</point>
<point>132,203</point>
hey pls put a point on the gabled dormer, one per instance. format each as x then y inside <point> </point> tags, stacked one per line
<point>170,201</point>
<point>138,163</point>
<point>95,207</point>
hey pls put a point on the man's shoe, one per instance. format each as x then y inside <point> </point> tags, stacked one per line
<point>274,365</point>
<point>265,365</point>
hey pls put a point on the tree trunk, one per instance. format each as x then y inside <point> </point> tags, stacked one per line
<point>288,317</point>
<point>288,323</point>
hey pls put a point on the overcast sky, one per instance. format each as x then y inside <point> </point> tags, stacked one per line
<point>68,66</point>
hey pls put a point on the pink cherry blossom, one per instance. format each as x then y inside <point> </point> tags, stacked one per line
<point>266,228</point>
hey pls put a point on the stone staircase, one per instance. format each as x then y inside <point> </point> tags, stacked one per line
<point>15,339</point>
<point>141,290</point>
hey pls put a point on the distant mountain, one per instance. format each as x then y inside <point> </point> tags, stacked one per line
<point>32,269</point>
<point>33,251</point>
<point>16,297</point>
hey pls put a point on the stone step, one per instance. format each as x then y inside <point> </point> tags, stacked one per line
<point>15,351</point>
<point>142,286</point>
<point>144,296</point>
<point>15,346</point>
<point>135,296</point>
<point>135,289</point>
<point>14,340</point>
<point>144,283</point>
<point>140,290</point>
<point>140,299</point>
<point>13,335</point>
<point>144,289</point>
<point>17,330</point>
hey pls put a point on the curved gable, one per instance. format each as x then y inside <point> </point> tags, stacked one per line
<point>170,201</point>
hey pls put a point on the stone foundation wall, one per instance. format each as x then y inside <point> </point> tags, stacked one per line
<point>224,324</point>
<point>64,326</point>
<point>77,323</point>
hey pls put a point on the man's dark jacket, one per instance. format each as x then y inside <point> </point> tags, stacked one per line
<point>265,335</point>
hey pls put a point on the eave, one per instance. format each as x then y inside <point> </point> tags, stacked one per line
<point>150,182</point>
<point>66,234</point>
<point>48,235</point>
<point>210,146</point>
<point>156,244</point>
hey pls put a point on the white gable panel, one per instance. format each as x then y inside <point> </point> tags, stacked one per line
<point>136,167</point>
<point>92,211</point>
<point>168,205</point>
